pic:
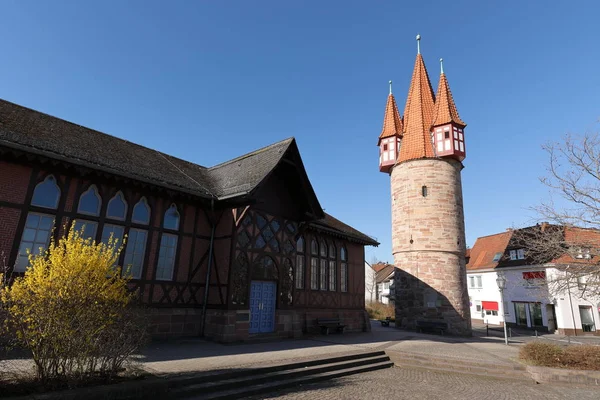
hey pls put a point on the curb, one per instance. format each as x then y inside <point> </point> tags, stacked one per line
<point>560,375</point>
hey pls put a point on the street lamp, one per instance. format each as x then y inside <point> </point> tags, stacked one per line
<point>501,282</point>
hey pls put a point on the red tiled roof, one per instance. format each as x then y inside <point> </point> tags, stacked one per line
<point>485,248</point>
<point>379,266</point>
<point>445,109</point>
<point>383,274</point>
<point>418,115</point>
<point>392,123</point>
<point>580,237</point>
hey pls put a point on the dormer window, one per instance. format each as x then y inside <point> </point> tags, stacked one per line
<point>497,257</point>
<point>518,254</point>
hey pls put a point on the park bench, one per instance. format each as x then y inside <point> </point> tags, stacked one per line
<point>386,321</point>
<point>432,326</point>
<point>327,324</point>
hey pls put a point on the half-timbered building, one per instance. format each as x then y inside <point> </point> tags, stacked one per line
<point>229,252</point>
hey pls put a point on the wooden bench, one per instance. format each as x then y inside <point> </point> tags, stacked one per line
<point>434,326</point>
<point>386,321</point>
<point>327,324</point>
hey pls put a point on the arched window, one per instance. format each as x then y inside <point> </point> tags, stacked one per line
<point>265,268</point>
<point>314,265</point>
<point>171,218</point>
<point>300,263</point>
<point>344,269</point>
<point>323,269</point>
<point>46,193</point>
<point>117,207</point>
<point>89,202</point>
<point>332,267</point>
<point>141,212</point>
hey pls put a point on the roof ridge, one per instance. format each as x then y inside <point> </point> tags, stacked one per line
<point>99,132</point>
<point>252,153</point>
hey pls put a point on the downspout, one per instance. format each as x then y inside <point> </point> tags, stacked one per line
<point>209,265</point>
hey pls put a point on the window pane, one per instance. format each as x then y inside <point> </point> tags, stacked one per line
<point>344,274</point>
<point>141,212</point>
<point>323,249</point>
<point>332,251</point>
<point>89,202</point>
<point>46,193</point>
<point>117,207</point>
<point>171,218</point>
<point>299,272</point>
<point>300,245</point>
<point>134,253</point>
<point>314,273</point>
<point>166,257</point>
<point>323,275</point>
<point>314,247</point>
<point>35,238</point>
<point>332,273</point>
<point>89,231</point>
<point>116,231</point>
<point>343,254</point>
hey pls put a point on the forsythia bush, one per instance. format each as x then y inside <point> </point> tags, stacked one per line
<point>72,309</point>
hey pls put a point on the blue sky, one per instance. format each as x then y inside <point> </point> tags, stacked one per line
<point>210,80</point>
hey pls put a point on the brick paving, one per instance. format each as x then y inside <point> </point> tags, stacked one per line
<point>404,383</point>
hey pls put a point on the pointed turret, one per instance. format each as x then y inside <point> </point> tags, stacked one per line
<point>391,134</point>
<point>447,127</point>
<point>418,114</point>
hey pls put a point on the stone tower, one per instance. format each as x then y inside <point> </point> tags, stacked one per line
<point>428,230</point>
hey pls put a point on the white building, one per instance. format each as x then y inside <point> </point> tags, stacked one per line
<point>385,284</point>
<point>529,300</point>
<point>370,284</point>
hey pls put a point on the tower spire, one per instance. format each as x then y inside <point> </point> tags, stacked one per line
<point>392,123</point>
<point>445,109</point>
<point>418,44</point>
<point>418,114</point>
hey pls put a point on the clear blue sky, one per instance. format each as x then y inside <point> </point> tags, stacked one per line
<point>210,80</point>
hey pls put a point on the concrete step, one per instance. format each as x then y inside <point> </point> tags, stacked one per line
<point>237,384</point>
<point>490,369</point>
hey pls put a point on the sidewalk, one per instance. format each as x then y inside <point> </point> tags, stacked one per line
<point>196,355</point>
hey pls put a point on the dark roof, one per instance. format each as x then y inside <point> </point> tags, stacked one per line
<point>334,226</point>
<point>31,131</point>
<point>384,273</point>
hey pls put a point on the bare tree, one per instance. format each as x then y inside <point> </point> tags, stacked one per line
<point>571,240</point>
<point>371,284</point>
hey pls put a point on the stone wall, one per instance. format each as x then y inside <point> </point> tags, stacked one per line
<point>428,242</point>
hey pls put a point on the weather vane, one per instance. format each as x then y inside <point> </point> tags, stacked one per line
<point>418,44</point>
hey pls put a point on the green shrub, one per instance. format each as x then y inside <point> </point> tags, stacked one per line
<point>380,310</point>
<point>551,355</point>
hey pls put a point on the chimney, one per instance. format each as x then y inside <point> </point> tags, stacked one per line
<point>544,226</point>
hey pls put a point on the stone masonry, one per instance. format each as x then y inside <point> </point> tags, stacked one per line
<point>428,243</point>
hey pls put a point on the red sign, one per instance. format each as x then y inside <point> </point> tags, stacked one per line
<point>490,305</point>
<point>534,275</point>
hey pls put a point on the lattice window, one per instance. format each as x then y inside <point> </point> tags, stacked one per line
<point>243,239</point>
<point>344,269</point>
<point>332,267</point>
<point>265,268</point>
<point>267,233</point>
<point>46,193</point>
<point>323,269</point>
<point>300,267</point>
<point>291,227</point>
<point>314,265</point>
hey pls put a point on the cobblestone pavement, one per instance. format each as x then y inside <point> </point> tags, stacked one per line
<point>401,383</point>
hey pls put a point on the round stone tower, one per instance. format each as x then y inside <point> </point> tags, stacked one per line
<point>428,230</point>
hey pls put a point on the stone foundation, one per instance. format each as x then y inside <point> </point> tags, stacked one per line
<point>576,332</point>
<point>227,326</point>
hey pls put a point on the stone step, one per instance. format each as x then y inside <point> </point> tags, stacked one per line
<point>237,384</point>
<point>496,370</point>
<point>272,386</point>
<point>455,361</point>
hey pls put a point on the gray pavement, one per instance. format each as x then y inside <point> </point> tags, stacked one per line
<point>401,383</point>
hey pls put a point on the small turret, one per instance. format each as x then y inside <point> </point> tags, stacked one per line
<point>447,127</point>
<point>391,135</point>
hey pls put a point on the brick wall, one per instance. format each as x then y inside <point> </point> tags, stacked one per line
<point>428,242</point>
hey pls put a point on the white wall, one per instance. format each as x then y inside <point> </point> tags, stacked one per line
<point>519,291</point>
<point>370,289</point>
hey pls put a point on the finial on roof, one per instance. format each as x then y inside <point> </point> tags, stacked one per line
<point>418,44</point>
<point>442,65</point>
<point>390,87</point>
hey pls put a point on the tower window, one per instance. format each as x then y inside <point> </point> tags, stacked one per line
<point>385,147</point>
<point>447,134</point>
<point>424,191</point>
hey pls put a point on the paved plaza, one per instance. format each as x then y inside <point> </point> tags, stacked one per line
<point>401,383</point>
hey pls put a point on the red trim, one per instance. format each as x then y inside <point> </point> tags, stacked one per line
<point>534,275</point>
<point>490,305</point>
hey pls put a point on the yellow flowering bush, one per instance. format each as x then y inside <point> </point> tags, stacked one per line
<point>72,309</point>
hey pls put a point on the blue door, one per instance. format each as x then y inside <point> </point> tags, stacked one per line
<point>262,306</point>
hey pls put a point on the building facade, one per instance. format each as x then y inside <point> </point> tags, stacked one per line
<point>423,153</point>
<point>231,252</point>
<point>537,296</point>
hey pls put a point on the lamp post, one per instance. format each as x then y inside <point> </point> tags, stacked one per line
<point>501,282</point>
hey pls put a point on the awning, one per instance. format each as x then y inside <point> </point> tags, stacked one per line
<point>534,275</point>
<point>490,305</point>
